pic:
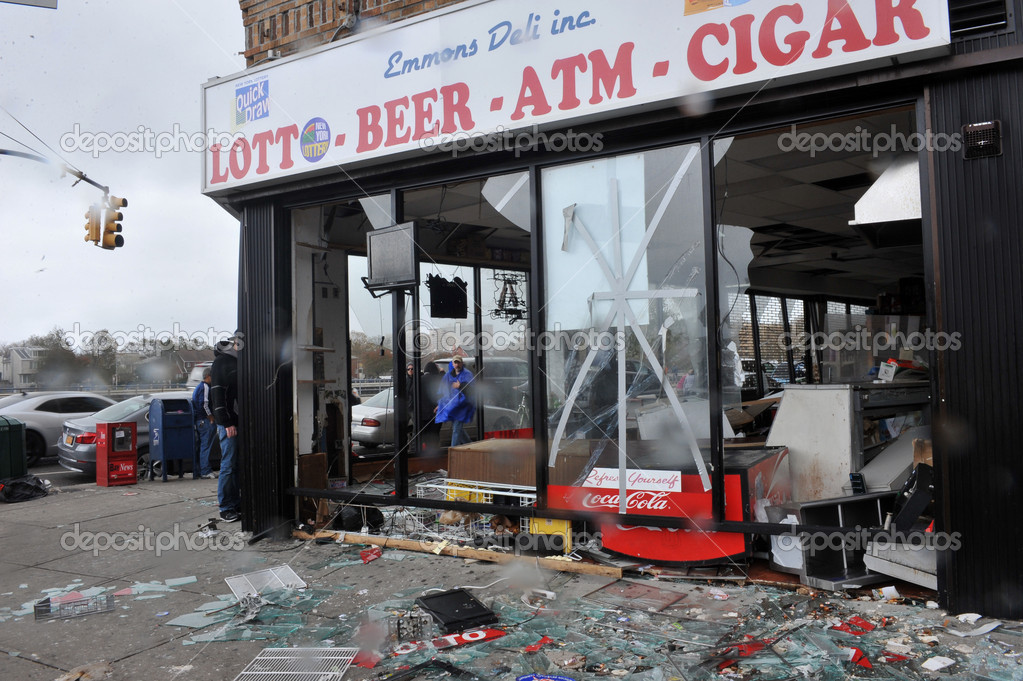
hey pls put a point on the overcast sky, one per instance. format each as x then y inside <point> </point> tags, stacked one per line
<point>111,67</point>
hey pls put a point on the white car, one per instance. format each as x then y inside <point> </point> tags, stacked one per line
<point>44,413</point>
<point>373,421</point>
<point>195,377</point>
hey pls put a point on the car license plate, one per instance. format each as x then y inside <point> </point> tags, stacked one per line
<point>69,439</point>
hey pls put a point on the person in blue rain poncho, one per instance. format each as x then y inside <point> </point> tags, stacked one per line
<point>455,402</point>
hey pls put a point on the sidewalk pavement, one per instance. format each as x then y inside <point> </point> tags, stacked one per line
<point>48,548</point>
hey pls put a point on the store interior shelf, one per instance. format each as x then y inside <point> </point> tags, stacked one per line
<point>315,348</point>
<point>480,492</point>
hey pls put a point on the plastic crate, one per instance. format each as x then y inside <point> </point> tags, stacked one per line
<point>551,526</point>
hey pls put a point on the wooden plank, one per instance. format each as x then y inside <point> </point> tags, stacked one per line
<point>561,565</point>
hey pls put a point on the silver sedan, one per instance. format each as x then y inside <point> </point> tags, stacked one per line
<point>44,413</point>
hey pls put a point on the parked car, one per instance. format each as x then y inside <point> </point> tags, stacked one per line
<point>44,413</point>
<point>195,376</point>
<point>77,446</point>
<point>373,421</point>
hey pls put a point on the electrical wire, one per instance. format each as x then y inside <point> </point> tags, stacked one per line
<point>486,586</point>
<point>26,128</point>
<point>17,141</point>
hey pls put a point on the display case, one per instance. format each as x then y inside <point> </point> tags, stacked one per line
<point>754,479</point>
<point>834,430</point>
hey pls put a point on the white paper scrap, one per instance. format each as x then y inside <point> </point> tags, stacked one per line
<point>935,663</point>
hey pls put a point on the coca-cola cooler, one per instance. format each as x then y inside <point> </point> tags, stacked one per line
<point>754,479</point>
<point>116,456</point>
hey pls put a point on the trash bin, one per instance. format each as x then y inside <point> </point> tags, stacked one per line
<point>13,463</point>
<point>171,435</point>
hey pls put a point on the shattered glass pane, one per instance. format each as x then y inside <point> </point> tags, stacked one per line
<point>627,290</point>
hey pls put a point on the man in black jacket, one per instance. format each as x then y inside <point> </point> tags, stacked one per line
<point>224,397</point>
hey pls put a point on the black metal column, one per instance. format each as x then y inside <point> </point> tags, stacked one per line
<point>265,448</point>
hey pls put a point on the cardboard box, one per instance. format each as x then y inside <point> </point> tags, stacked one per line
<point>312,473</point>
<point>922,452</point>
<point>501,461</point>
<point>513,461</point>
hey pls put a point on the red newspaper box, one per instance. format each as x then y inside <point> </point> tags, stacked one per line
<point>116,456</point>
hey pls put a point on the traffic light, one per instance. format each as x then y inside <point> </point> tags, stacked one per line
<point>111,223</point>
<point>92,217</point>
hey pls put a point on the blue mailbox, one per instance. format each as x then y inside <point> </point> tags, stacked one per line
<point>171,435</point>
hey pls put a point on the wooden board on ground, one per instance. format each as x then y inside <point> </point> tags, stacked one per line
<point>715,573</point>
<point>447,549</point>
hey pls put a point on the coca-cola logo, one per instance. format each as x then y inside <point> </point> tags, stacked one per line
<point>640,500</point>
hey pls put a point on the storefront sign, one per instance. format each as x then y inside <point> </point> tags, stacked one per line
<point>654,481</point>
<point>478,73</point>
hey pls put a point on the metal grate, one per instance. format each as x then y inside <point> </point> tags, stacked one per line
<point>273,579</point>
<point>982,140</point>
<point>299,664</point>
<point>977,16</point>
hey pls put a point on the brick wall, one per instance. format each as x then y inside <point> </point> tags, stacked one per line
<point>291,26</point>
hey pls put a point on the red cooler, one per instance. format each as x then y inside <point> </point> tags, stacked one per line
<point>753,478</point>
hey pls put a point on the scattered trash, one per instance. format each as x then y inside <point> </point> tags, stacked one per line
<point>626,594</point>
<point>979,631</point>
<point>409,625</point>
<point>88,672</point>
<point>566,659</point>
<point>249,607</point>
<point>450,641</point>
<point>898,647</point>
<point>857,626</point>
<point>535,647</point>
<point>325,664</point>
<point>430,665</point>
<point>272,579</point>
<point>857,657</point>
<point>71,606</point>
<point>25,488</point>
<point>371,554</point>
<point>718,594</point>
<point>968,617</point>
<point>932,605</point>
<point>139,588</point>
<point>937,662</point>
<point>456,610</point>
<point>888,593</point>
<point>366,659</point>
